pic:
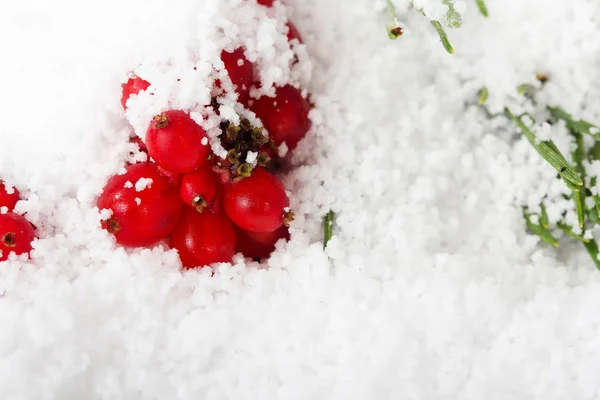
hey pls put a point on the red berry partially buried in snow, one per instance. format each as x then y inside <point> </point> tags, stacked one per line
<point>259,245</point>
<point>199,189</point>
<point>16,235</point>
<point>145,206</point>
<point>285,116</point>
<point>257,203</point>
<point>8,200</point>
<point>293,33</point>
<point>267,3</point>
<point>175,142</point>
<point>241,72</point>
<point>134,85</point>
<point>203,238</point>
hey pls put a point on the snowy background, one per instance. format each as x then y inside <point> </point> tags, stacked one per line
<point>430,289</point>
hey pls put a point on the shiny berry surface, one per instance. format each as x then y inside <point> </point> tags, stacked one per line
<point>134,85</point>
<point>199,189</point>
<point>16,235</point>
<point>259,245</point>
<point>143,211</point>
<point>257,203</point>
<point>8,200</point>
<point>241,72</point>
<point>285,116</point>
<point>202,239</point>
<point>174,141</point>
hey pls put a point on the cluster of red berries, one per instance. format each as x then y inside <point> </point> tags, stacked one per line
<point>16,233</point>
<point>207,207</point>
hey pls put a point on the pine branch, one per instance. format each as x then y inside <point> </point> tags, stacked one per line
<point>328,228</point>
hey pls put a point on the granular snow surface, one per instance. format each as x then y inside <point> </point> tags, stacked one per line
<point>430,289</point>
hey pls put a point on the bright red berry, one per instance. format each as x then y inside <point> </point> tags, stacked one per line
<point>134,85</point>
<point>293,33</point>
<point>285,116</point>
<point>145,206</point>
<point>8,200</point>
<point>173,177</point>
<point>241,72</point>
<point>259,245</point>
<point>267,3</point>
<point>203,238</point>
<point>16,235</point>
<point>257,203</point>
<point>199,189</point>
<point>175,142</point>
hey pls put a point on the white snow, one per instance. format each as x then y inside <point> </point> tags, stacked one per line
<point>143,183</point>
<point>430,288</point>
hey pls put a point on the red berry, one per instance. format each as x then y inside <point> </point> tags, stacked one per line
<point>173,177</point>
<point>293,33</point>
<point>140,218</point>
<point>203,238</point>
<point>174,141</point>
<point>257,203</point>
<point>259,245</point>
<point>241,72</point>
<point>285,116</point>
<point>6,199</point>
<point>134,85</point>
<point>16,235</point>
<point>267,3</point>
<point>199,189</point>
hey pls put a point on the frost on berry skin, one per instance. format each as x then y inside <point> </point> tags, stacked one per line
<point>199,189</point>
<point>16,235</point>
<point>175,142</point>
<point>259,245</point>
<point>257,203</point>
<point>8,196</point>
<point>285,116</point>
<point>202,239</point>
<point>140,218</point>
<point>240,71</point>
<point>134,85</point>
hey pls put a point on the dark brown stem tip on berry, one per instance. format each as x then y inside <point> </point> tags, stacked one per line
<point>160,121</point>
<point>113,226</point>
<point>287,218</point>
<point>233,156</point>
<point>244,170</point>
<point>199,203</point>
<point>9,239</point>
<point>258,137</point>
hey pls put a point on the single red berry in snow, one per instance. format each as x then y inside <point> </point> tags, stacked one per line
<point>16,235</point>
<point>145,206</point>
<point>8,200</point>
<point>203,238</point>
<point>134,85</point>
<point>175,142</point>
<point>199,189</point>
<point>257,203</point>
<point>241,72</point>
<point>293,33</point>
<point>259,245</point>
<point>285,116</point>
<point>267,3</point>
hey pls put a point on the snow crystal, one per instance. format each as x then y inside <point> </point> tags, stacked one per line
<point>128,185</point>
<point>3,210</point>
<point>142,184</point>
<point>138,201</point>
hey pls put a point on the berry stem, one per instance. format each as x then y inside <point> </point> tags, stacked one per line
<point>328,228</point>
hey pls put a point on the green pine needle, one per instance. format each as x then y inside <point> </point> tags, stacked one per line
<point>539,230</point>
<point>592,248</point>
<point>443,36</point>
<point>549,152</point>
<point>579,126</point>
<point>482,8</point>
<point>569,231</point>
<point>483,95</point>
<point>328,228</point>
